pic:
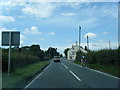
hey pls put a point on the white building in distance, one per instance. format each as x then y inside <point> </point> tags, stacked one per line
<point>71,54</point>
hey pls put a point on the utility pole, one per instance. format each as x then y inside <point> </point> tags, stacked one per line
<point>109,45</point>
<point>87,43</point>
<point>79,36</point>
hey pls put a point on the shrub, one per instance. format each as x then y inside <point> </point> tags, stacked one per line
<point>18,60</point>
<point>102,57</point>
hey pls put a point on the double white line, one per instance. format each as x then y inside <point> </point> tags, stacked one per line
<point>72,73</point>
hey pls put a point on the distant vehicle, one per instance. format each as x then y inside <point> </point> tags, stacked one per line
<point>56,58</point>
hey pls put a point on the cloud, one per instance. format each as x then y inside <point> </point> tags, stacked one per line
<point>91,17</point>
<point>90,35</point>
<point>5,29</point>
<point>69,41</point>
<point>68,14</point>
<point>103,45</point>
<point>33,30</point>
<point>22,38</point>
<point>100,45</point>
<point>104,33</point>
<point>92,46</point>
<point>43,39</point>
<point>59,1</point>
<point>51,33</point>
<point>88,23</point>
<point>12,4</point>
<point>7,19</point>
<point>41,10</point>
<point>62,47</point>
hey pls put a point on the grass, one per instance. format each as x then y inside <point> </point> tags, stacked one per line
<point>110,69</point>
<point>20,76</point>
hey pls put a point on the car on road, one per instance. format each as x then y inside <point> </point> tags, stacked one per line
<point>56,58</point>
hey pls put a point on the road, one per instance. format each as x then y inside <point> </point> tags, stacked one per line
<point>66,74</point>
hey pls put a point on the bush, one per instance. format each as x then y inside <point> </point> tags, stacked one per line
<point>18,60</point>
<point>101,57</point>
<point>23,60</point>
<point>21,57</point>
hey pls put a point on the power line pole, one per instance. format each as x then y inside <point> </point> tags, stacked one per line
<point>79,36</point>
<point>109,45</point>
<point>87,43</point>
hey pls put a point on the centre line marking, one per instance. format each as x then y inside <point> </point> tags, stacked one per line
<point>65,66</point>
<point>75,76</point>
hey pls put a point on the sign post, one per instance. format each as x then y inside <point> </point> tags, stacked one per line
<point>10,38</point>
<point>9,58</point>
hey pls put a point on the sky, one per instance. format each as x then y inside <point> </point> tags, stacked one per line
<point>56,24</point>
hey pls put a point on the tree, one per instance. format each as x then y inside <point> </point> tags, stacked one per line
<point>65,51</point>
<point>86,48</point>
<point>41,55</point>
<point>52,52</point>
<point>61,55</point>
<point>34,48</point>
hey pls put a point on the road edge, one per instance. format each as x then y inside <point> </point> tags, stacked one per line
<point>98,71</point>
<point>36,76</point>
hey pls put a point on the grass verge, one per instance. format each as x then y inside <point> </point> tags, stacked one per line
<point>18,78</point>
<point>110,69</point>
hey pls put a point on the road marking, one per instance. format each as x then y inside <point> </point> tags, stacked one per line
<point>47,67</point>
<point>103,73</point>
<point>98,71</point>
<point>72,73</point>
<point>65,66</point>
<point>75,76</point>
<point>37,76</point>
<point>32,81</point>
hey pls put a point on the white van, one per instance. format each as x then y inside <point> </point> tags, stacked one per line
<point>56,58</point>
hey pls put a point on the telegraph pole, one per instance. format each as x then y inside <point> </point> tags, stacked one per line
<point>109,45</point>
<point>87,43</point>
<point>79,36</point>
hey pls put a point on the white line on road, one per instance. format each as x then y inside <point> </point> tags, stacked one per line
<point>103,73</point>
<point>47,67</point>
<point>65,66</point>
<point>37,77</point>
<point>97,71</point>
<point>75,76</point>
<point>32,81</point>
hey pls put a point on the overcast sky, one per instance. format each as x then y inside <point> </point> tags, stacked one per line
<point>55,24</point>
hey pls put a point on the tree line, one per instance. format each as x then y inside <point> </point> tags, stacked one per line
<point>24,56</point>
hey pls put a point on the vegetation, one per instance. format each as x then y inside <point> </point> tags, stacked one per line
<point>21,57</point>
<point>26,62</point>
<point>113,70</point>
<point>65,51</point>
<point>103,60</point>
<point>19,77</point>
